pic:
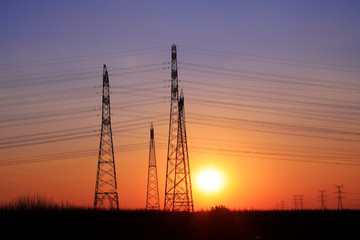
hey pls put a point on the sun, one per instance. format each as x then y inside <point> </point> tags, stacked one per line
<point>210,180</point>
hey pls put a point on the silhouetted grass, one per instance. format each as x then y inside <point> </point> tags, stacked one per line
<point>39,216</point>
<point>34,202</point>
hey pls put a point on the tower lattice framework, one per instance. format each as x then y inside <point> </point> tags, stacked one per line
<point>173,130</point>
<point>322,200</point>
<point>152,196</point>
<point>106,195</point>
<point>178,194</point>
<point>183,200</point>
<point>339,197</point>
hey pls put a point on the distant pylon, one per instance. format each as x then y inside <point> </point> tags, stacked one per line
<point>295,201</point>
<point>301,201</point>
<point>339,198</point>
<point>106,195</point>
<point>152,196</point>
<point>322,200</point>
<point>183,200</point>
<point>282,205</point>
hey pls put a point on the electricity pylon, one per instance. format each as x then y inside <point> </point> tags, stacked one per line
<point>322,200</point>
<point>282,205</point>
<point>106,195</point>
<point>339,198</point>
<point>301,201</point>
<point>152,196</point>
<point>173,132</point>
<point>183,200</point>
<point>178,195</point>
<point>295,201</point>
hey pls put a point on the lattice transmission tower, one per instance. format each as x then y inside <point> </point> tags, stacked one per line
<point>322,200</point>
<point>183,200</point>
<point>106,195</point>
<point>339,197</point>
<point>178,194</point>
<point>301,201</point>
<point>152,196</point>
<point>295,202</point>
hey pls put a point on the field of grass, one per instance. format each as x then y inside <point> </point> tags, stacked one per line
<point>36,216</point>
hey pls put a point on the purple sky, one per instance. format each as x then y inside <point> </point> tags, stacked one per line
<point>324,31</point>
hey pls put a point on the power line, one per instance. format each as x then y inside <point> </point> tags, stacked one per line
<point>271,78</point>
<point>82,58</point>
<point>272,60</point>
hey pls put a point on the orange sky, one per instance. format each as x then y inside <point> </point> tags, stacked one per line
<point>253,179</point>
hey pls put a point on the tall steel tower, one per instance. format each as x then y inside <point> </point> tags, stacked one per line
<point>183,200</point>
<point>173,132</point>
<point>339,198</point>
<point>295,201</point>
<point>322,200</point>
<point>178,193</point>
<point>152,196</point>
<point>106,195</point>
<point>301,201</point>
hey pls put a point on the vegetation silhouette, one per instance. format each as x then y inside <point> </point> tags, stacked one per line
<point>39,216</point>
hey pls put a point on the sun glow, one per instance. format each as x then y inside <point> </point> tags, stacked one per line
<point>210,180</point>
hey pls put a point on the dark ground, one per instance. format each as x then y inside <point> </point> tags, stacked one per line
<point>217,224</point>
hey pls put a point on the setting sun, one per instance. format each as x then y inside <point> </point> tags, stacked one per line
<point>210,180</point>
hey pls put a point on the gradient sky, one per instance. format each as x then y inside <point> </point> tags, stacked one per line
<point>271,96</point>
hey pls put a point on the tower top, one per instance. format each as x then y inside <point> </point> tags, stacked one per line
<point>151,130</point>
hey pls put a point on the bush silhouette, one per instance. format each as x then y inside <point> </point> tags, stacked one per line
<point>220,209</point>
